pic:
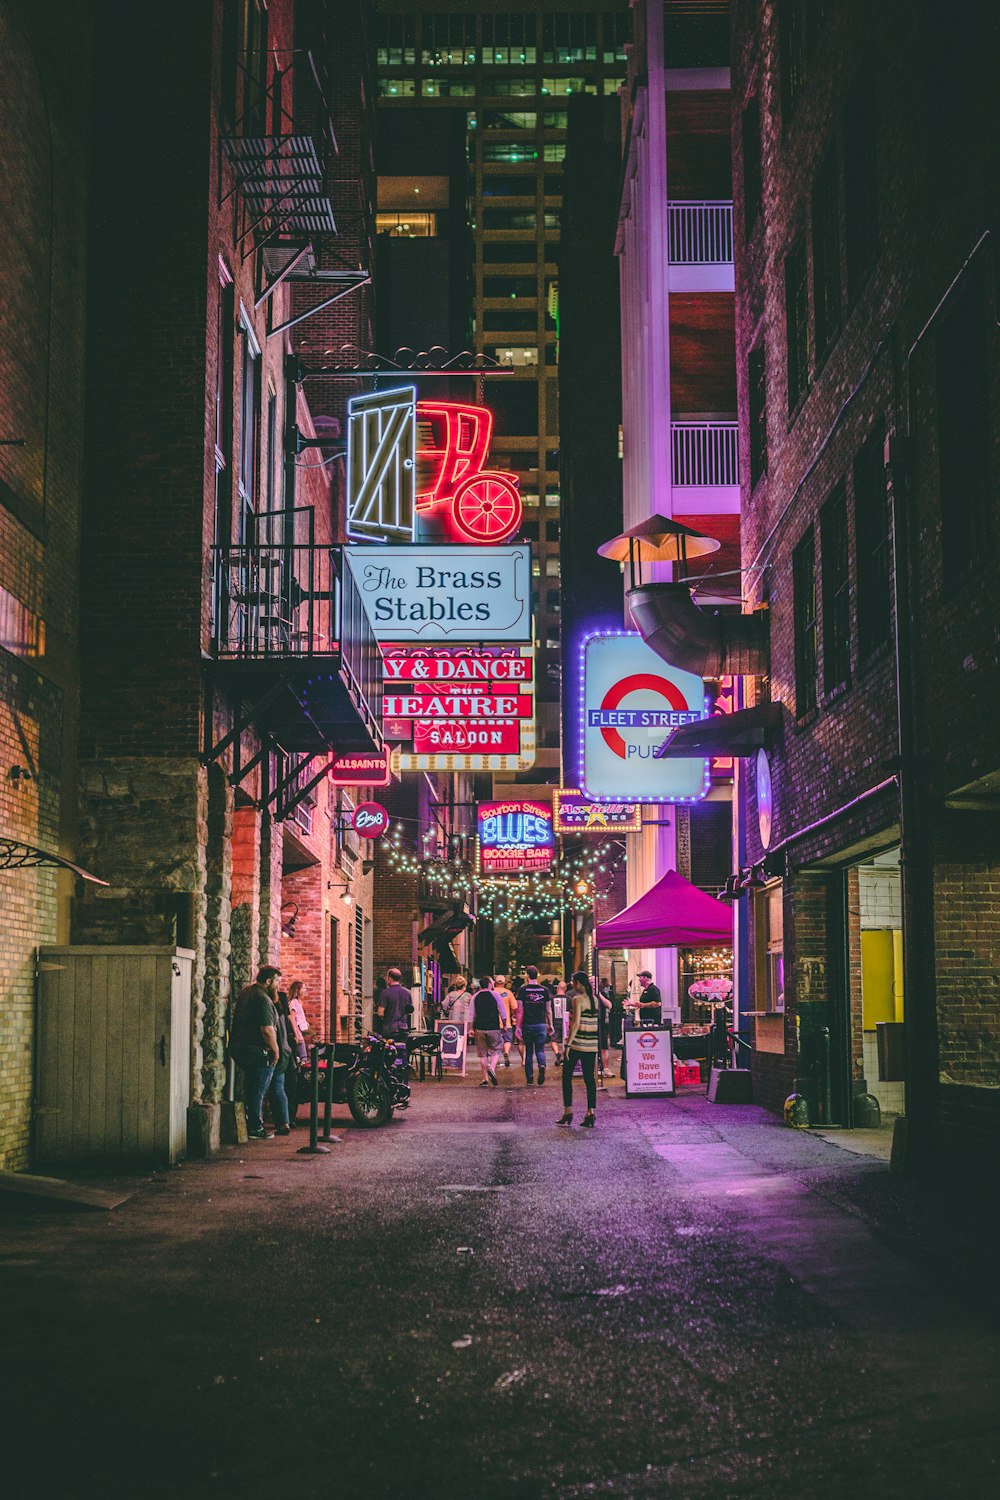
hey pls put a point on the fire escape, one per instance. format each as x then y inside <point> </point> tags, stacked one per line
<point>291,643</point>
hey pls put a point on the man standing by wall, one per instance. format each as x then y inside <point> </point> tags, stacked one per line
<point>253,1044</point>
<point>395,1007</point>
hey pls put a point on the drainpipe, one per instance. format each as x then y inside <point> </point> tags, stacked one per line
<point>708,644</point>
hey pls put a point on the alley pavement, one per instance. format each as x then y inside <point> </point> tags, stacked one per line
<point>690,1300</point>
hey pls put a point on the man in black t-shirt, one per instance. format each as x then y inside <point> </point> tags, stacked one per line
<point>650,1001</point>
<point>395,1007</point>
<point>253,1045</point>
<point>535,1022</point>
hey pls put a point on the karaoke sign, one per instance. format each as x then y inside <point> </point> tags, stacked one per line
<point>631,700</point>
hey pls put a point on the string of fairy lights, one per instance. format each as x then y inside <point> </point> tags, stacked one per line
<point>568,885</point>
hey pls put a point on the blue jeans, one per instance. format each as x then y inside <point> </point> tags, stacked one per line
<point>258,1071</point>
<point>278,1099</point>
<point>533,1037</point>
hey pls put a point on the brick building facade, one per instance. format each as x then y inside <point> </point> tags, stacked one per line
<point>869,398</point>
<point>147,516</point>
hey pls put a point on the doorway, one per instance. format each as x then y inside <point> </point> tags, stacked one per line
<point>880,998</point>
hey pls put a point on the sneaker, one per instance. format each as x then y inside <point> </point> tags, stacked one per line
<point>506,1061</point>
<point>529,1081</point>
<point>260,1135</point>
<point>541,1077</point>
<point>283,1130</point>
<point>492,1077</point>
<point>485,1083</point>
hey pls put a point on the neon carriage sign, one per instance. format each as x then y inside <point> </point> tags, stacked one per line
<point>631,700</point>
<point>515,836</point>
<point>410,459</point>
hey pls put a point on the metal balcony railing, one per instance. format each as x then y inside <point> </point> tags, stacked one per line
<point>704,454</point>
<point>700,234</point>
<point>296,602</point>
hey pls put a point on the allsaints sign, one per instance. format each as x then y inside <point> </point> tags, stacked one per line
<point>429,593</point>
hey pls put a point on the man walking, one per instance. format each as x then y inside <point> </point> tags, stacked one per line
<point>534,1022</point>
<point>253,1045</point>
<point>500,988</point>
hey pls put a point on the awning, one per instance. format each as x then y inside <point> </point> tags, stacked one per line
<point>674,914</point>
<point>17,856</point>
<point>742,733</point>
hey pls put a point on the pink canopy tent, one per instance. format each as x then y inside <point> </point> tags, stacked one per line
<point>674,914</point>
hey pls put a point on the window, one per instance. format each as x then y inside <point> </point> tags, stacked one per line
<point>613,85</point>
<point>495,319</point>
<point>448,39</point>
<point>964,435</point>
<point>562,88</point>
<point>255,69</point>
<point>393,88</point>
<point>554,151</point>
<point>553,601</point>
<point>515,356</point>
<point>552,568</point>
<point>272,455</point>
<point>510,254</point>
<point>797,324</point>
<point>249,415</point>
<point>871,543</point>
<point>569,38</point>
<point>757,395</point>
<point>552,185</point>
<point>510,186</point>
<point>529,530</point>
<point>529,498</point>
<point>552,499</point>
<point>616,31</point>
<point>510,88</point>
<point>770,948</point>
<point>836,590</point>
<point>396,40</point>
<point>407,225</point>
<point>224,407</point>
<point>555,119</point>
<point>509,218</point>
<point>447,88</point>
<point>804,607</point>
<point>509,119</point>
<point>509,39</point>
<point>512,151</point>
<point>509,286</point>
<point>826,254</point>
<point>860,194</point>
<point>752,166</point>
<point>552,531</point>
<point>793,56</point>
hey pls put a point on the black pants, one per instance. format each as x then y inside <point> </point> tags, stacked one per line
<point>588,1062</point>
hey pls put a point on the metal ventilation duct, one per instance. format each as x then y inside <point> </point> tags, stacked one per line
<point>710,645</point>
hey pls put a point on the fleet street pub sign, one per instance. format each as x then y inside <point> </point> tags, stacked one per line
<point>459,708</point>
<point>631,700</point>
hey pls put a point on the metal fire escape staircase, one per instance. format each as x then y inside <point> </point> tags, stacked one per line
<point>294,209</point>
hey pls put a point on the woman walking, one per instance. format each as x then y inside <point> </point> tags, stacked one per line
<point>489,1017</point>
<point>581,1046</point>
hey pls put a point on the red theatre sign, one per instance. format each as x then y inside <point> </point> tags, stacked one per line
<point>452,701</point>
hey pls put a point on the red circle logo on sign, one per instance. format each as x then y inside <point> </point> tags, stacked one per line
<point>370,820</point>
<point>638,682</point>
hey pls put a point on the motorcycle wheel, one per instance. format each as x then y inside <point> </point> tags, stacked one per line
<point>368,1100</point>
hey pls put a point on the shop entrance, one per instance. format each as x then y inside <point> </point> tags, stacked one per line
<point>877,999</point>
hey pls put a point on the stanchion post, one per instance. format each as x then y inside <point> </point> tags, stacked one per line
<point>313,1149</point>
<point>328,1092</point>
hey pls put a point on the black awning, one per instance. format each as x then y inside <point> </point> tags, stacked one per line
<point>17,856</point>
<point>742,733</point>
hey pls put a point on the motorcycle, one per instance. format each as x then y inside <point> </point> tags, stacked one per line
<point>370,1077</point>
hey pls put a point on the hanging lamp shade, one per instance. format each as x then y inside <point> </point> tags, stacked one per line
<point>659,539</point>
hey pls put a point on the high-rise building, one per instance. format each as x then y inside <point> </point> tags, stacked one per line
<point>509,74</point>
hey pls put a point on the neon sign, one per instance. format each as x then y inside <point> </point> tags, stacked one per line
<point>515,836</point>
<point>630,699</point>
<point>575,813</point>
<point>359,768</point>
<point>453,440</point>
<point>464,708</point>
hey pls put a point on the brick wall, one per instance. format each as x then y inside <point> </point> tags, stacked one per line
<point>935,146</point>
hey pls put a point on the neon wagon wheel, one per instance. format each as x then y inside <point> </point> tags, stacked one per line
<point>486,507</point>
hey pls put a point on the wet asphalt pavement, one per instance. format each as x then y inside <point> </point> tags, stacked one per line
<point>689,1301</point>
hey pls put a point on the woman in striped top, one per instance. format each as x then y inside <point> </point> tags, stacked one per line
<point>581,1046</point>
